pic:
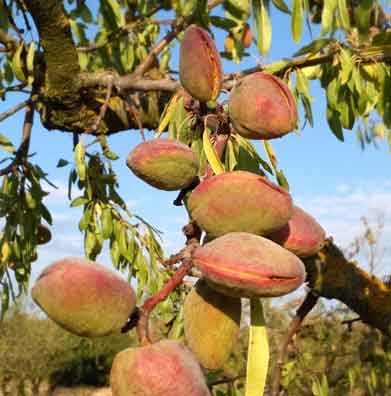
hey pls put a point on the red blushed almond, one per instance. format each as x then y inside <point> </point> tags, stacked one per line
<point>261,106</point>
<point>164,163</point>
<point>246,265</point>
<point>83,297</point>
<point>303,235</point>
<point>239,201</point>
<point>200,68</point>
<point>165,368</point>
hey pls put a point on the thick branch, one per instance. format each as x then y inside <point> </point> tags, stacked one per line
<point>62,64</point>
<point>331,275</point>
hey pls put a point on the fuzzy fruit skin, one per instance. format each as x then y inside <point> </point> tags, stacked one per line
<point>166,368</point>
<point>303,235</point>
<point>240,264</point>
<point>164,163</point>
<point>212,322</point>
<point>239,201</point>
<point>261,106</point>
<point>83,297</point>
<point>200,68</point>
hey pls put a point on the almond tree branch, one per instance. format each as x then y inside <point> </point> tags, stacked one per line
<point>14,110</point>
<point>22,152</point>
<point>331,275</point>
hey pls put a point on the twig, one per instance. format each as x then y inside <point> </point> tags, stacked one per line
<point>103,108</point>
<point>225,380</point>
<point>22,152</point>
<point>14,109</point>
<point>308,303</point>
<point>150,303</point>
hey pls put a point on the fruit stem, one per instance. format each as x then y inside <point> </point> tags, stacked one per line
<point>258,351</point>
<point>150,303</point>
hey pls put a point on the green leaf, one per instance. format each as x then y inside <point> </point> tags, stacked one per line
<point>344,14</point>
<point>258,351</point>
<point>282,180</point>
<point>30,63</point>
<point>335,123</point>
<point>328,15</point>
<point>110,155</point>
<point>276,66</point>
<point>17,63</point>
<point>79,201</point>
<point>263,25</point>
<point>119,16</point>
<point>302,83</point>
<point>271,154</point>
<point>280,4</point>
<point>6,144</point>
<point>211,155</point>
<point>297,20</point>
<point>223,23</point>
<point>61,163</point>
<point>80,160</point>
<point>314,47</point>
<point>107,222</point>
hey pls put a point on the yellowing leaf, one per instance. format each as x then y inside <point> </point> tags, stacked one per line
<point>297,20</point>
<point>211,155</point>
<point>258,351</point>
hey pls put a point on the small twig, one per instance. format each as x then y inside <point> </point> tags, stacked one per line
<point>225,380</point>
<point>22,152</point>
<point>150,303</point>
<point>132,109</point>
<point>14,109</point>
<point>103,109</point>
<point>308,303</point>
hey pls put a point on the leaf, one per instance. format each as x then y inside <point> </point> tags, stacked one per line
<point>61,163</point>
<point>107,222</point>
<point>80,160</point>
<point>6,144</point>
<point>30,63</point>
<point>280,4</point>
<point>302,83</point>
<point>335,123</point>
<point>119,16</point>
<point>263,25</point>
<point>79,201</point>
<point>297,20</point>
<point>276,66</point>
<point>211,155</point>
<point>328,15</point>
<point>167,115</point>
<point>258,351</point>
<point>344,14</point>
<point>17,63</point>
<point>271,154</point>
<point>314,47</point>
<point>223,23</point>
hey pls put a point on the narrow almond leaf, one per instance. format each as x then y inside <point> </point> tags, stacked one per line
<point>211,155</point>
<point>17,64</point>
<point>271,154</point>
<point>297,20</point>
<point>166,116</point>
<point>6,144</point>
<point>258,351</point>
<point>30,63</point>
<point>80,160</point>
<point>328,15</point>
<point>263,25</point>
<point>280,4</point>
<point>344,14</point>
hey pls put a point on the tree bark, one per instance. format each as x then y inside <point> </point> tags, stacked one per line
<point>331,275</point>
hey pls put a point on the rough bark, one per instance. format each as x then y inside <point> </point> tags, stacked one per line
<point>331,275</point>
<point>63,103</point>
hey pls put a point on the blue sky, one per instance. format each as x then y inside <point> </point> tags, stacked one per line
<point>334,181</point>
